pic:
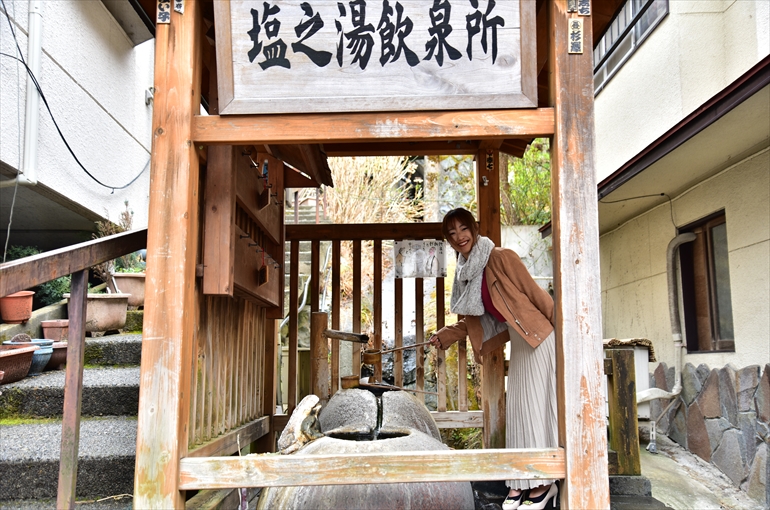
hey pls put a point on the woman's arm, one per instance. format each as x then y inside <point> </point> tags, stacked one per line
<point>519,275</point>
<point>448,335</point>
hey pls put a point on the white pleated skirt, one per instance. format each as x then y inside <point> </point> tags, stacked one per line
<point>530,415</point>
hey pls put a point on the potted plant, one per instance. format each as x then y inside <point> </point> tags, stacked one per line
<point>16,308</point>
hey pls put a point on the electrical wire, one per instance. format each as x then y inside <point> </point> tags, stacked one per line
<point>45,102</point>
<point>670,203</point>
<point>18,146</point>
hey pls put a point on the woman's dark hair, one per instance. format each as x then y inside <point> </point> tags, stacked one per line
<point>462,216</point>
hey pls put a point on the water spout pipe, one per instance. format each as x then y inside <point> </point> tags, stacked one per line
<point>676,322</point>
<point>27,176</point>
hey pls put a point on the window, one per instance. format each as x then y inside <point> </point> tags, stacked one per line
<point>708,311</point>
<point>631,26</point>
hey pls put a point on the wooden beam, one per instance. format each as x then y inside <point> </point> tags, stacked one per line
<point>364,231</point>
<point>493,371</point>
<point>172,247</point>
<point>398,148</point>
<point>28,272</point>
<point>458,419</point>
<point>228,444</point>
<point>621,397</point>
<point>358,468</point>
<point>369,127</point>
<point>73,393</point>
<point>577,313</point>
<point>293,179</point>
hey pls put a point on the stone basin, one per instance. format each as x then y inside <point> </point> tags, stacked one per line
<point>355,421</point>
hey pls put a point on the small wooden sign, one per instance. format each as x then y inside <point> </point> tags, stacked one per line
<point>291,56</point>
<point>575,35</point>
<point>163,12</point>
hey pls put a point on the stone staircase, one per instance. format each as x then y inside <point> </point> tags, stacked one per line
<point>30,428</point>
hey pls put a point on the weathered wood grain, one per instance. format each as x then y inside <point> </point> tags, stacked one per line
<point>367,127</point>
<point>621,397</point>
<point>28,272</point>
<point>343,469</point>
<point>172,249</point>
<point>228,444</point>
<point>364,231</point>
<point>458,419</point>
<point>577,314</point>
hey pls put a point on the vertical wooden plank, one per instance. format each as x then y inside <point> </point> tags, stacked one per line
<point>291,398</point>
<point>269,382</point>
<point>172,246</point>
<point>210,373</point>
<point>219,248</point>
<point>319,356</point>
<point>577,314</point>
<point>377,302</point>
<point>419,335</point>
<point>73,393</point>
<point>356,360</point>
<point>336,297</point>
<point>493,371</point>
<point>440,354</point>
<point>315,274</point>
<point>462,375</point>
<point>398,327</point>
<point>621,396</point>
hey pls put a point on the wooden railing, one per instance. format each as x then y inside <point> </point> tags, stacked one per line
<point>73,260</point>
<point>378,238</point>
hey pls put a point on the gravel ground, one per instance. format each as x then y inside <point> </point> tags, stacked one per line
<point>92,377</point>
<point>99,437</point>
<point>112,503</point>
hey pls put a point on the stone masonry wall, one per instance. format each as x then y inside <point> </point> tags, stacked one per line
<point>723,416</point>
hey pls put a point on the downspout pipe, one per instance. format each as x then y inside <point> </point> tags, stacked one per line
<point>27,176</point>
<point>676,322</point>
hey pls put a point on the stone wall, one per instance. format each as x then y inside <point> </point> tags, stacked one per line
<point>723,416</point>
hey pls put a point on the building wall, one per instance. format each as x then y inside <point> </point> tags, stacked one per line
<point>633,265</point>
<point>94,80</point>
<point>697,50</point>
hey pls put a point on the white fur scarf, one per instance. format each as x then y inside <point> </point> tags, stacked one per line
<point>466,289</point>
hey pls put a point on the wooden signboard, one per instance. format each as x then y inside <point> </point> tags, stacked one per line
<point>292,56</point>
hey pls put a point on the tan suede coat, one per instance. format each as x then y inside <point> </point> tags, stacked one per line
<point>524,304</point>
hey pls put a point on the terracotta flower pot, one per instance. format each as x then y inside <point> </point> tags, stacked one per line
<point>40,357</point>
<point>130,283</point>
<point>58,357</point>
<point>105,312</point>
<point>56,330</point>
<point>15,361</point>
<point>16,308</point>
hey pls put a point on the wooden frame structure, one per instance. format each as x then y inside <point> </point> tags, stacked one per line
<point>177,332</point>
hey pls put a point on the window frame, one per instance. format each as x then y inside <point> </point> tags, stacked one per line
<point>699,289</point>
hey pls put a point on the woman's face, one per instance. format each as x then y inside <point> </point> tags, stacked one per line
<point>461,238</point>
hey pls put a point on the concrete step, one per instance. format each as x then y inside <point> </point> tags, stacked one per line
<point>114,350</point>
<point>106,391</point>
<point>29,460</point>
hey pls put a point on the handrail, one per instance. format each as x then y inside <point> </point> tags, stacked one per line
<point>28,272</point>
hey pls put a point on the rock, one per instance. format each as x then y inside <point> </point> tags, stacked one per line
<point>697,434</point>
<point>727,396</point>
<point>730,456</point>
<point>402,410</point>
<point>708,400</point>
<point>748,428</point>
<point>762,396</point>
<point>746,381</point>
<point>758,484</point>
<point>703,372</point>
<point>660,377</point>
<point>691,385</point>
<point>303,426</point>
<point>352,411</point>
<point>716,428</point>
<point>678,428</point>
<point>763,431</point>
<point>371,495</point>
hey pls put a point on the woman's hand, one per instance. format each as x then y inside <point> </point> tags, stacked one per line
<point>434,341</point>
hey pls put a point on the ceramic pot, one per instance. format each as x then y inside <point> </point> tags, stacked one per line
<point>105,312</point>
<point>56,330</point>
<point>40,357</point>
<point>58,357</point>
<point>130,283</point>
<point>16,308</point>
<point>15,361</point>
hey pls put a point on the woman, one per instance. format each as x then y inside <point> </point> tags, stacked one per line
<point>499,301</point>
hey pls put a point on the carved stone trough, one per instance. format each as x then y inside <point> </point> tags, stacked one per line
<point>356,421</point>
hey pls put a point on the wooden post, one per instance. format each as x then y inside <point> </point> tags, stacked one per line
<point>493,371</point>
<point>270,381</point>
<point>73,392</point>
<point>577,314</point>
<point>172,245</point>
<point>319,356</point>
<point>621,396</point>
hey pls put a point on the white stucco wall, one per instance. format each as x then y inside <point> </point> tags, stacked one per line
<point>633,265</point>
<point>94,80</point>
<point>697,50</point>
